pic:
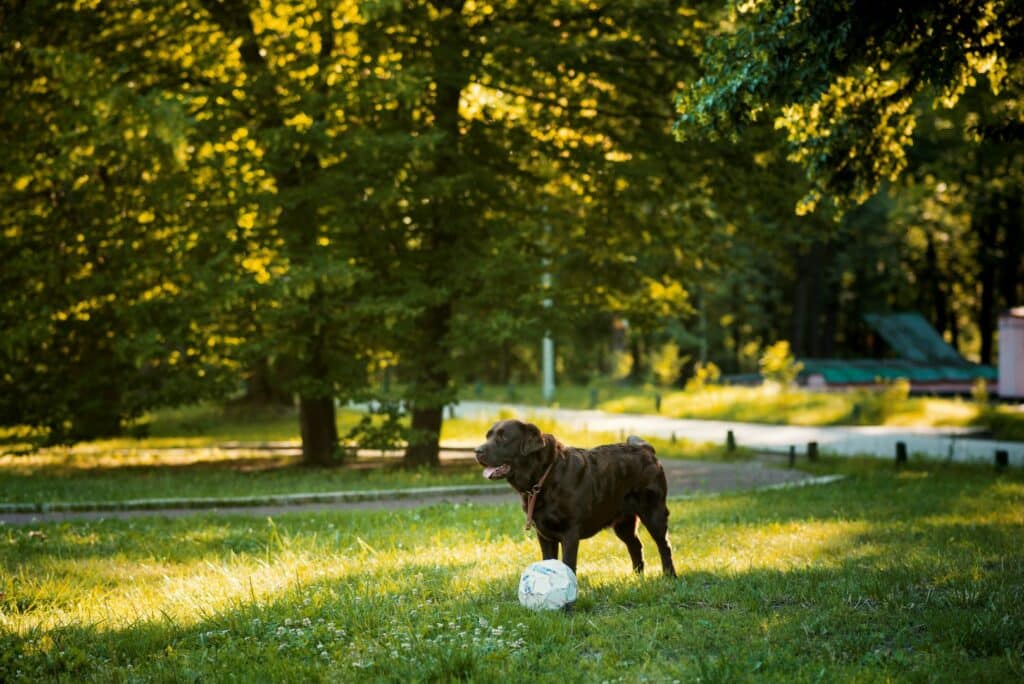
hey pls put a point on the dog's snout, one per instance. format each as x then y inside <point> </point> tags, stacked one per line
<point>479,451</point>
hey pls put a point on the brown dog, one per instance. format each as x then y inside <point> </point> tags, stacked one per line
<point>576,493</point>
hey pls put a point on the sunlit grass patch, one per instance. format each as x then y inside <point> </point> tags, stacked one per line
<point>472,431</point>
<point>880,576</point>
<point>767,404</point>
<point>203,473</point>
<point>158,467</point>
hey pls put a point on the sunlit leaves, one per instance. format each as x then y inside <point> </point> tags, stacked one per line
<point>842,77</point>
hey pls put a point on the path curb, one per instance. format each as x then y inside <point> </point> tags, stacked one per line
<point>199,505</point>
<point>807,481</point>
<point>246,501</point>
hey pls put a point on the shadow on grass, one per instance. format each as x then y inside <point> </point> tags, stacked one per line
<point>418,623</point>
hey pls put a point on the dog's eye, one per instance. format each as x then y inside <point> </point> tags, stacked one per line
<point>501,435</point>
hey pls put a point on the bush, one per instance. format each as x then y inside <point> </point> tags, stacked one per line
<point>979,392</point>
<point>704,374</point>
<point>873,407</point>
<point>778,364</point>
<point>666,364</point>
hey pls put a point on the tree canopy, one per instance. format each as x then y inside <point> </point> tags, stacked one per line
<point>840,79</point>
<point>346,201</point>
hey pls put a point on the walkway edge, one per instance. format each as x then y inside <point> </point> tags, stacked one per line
<point>246,501</point>
<point>335,497</point>
<point>806,482</point>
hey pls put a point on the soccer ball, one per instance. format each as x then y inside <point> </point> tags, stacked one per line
<point>547,585</point>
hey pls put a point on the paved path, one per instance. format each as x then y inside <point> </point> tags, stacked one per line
<point>956,444</point>
<point>686,478</point>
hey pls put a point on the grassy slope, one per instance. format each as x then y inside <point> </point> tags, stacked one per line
<point>913,576</point>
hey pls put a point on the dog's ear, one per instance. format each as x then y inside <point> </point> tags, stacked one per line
<point>532,439</point>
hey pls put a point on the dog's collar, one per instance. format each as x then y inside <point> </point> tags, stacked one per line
<point>533,492</point>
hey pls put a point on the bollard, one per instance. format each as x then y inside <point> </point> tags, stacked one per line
<point>792,455</point>
<point>1002,458</point>
<point>812,451</point>
<point>672,438</point>
<point>657,403</point>
<point>730,441</point>
<point>593,398</point>
<point>901,453</point>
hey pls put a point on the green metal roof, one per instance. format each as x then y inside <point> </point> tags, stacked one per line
<point>924,357</point>
<point>856,371</point>
<point>913,338</point>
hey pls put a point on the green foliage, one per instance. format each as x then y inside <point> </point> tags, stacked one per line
<point>778,365</point>
<point>335,186</point>
<point>979,392</point>
<point>841,80</point>
<point>704,374</point>
<point>335,192</point>
<point>666,364</point>
<point>384,427</point>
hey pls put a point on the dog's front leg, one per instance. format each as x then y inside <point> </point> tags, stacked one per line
<point>548,548</point>
<point>570,545</point>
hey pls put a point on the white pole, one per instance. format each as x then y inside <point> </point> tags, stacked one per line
<point>548,351</point>
<point>548,347</point>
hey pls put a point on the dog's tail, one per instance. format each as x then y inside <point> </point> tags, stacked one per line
<point>633,440</point>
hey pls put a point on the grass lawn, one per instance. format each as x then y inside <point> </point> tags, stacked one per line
<point>915,575</point>
<point>768,405</point>
<point>126,469</point>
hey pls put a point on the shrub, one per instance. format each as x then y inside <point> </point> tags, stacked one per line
<point>778,364</point>
<point>704,374</point>
<point>666,364</point>
<point>979,391</point>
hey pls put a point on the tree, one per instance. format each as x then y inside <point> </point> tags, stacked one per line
<point>547,136</point>
<point>840,79</point>
<point>106,311</point>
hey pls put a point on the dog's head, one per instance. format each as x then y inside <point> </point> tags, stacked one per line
<point>510,443</point>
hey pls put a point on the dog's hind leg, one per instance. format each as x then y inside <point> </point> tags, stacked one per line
<point>625,530</point>
<point>655,519</point>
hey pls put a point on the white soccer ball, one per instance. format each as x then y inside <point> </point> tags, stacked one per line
<point>547,585</point>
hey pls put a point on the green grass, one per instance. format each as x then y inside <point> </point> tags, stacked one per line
<point>915,575</point>
<point>148,468</point>
<point>767,404</point>
<point>79,479</point>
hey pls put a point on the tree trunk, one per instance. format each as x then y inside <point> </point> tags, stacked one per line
<point>428,390</point>
<point>820,254</point>
<point>636,352</point>
<point>319,431</point>
<point>801,297</point>
<point>987,282</point>
<point>1011,268</point>
<point>939,304</point>
<point>830,323</point>
<point>425,447</point>
<point>262,387</point>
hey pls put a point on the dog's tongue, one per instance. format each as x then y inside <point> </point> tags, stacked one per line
<point>496,472</point>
